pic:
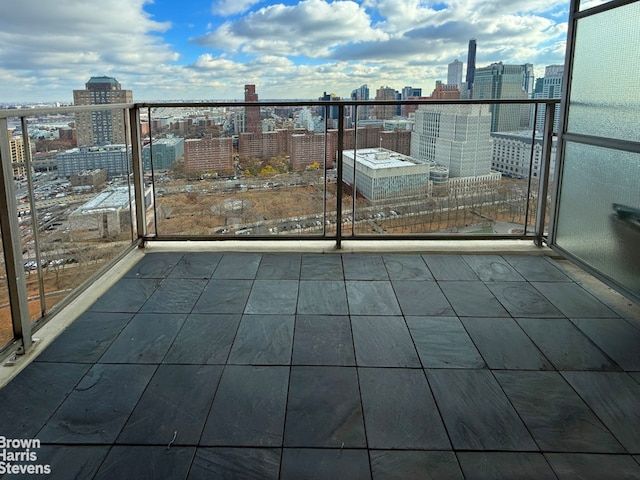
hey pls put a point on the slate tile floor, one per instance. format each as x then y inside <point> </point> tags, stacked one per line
<point>337,366</point>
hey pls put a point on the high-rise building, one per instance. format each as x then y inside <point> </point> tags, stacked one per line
<point>551,87</point>
<point>101,127</point>
<point>410,92</point>
<point>528,79</point>
<point>332,112</point>
<point>454,73</point>
<point>445,92</point>
<point>499,81</point>
<point>384,112</point>
<point>361,93</point>
<point>471,64</point>
<point>252,118</point>
<point>456,137</point>
<point>209,154</point>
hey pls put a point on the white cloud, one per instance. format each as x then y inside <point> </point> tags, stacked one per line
<point>232,7</point>
<point>309,28</point>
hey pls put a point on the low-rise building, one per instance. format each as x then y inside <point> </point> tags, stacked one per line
<point>513,156</point>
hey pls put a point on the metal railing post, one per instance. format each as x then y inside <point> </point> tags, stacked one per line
<point>545,164</point>
<point>339,189</point>
<point>12,244</point>
<point>138,172</point>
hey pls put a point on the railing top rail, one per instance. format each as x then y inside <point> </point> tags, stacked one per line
<point>32,112</point>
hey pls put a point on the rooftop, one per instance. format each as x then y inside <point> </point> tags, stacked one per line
<point>226,364</point>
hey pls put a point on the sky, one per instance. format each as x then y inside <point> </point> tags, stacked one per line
<point>294,49</point>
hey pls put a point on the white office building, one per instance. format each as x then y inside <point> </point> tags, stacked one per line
<point>512,154</point>
<point>382,174</point>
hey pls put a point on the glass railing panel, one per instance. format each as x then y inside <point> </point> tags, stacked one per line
<point>226,177</point>
<point>445,169</point>
<point>6,325</point>
<point>81,215</point>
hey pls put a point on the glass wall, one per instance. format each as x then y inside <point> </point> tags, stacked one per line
<point>598,218</point>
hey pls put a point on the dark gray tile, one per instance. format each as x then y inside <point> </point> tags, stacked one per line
<point>615,398</point>
<point>584,466</point>
<point>86,339</point>
<point>383,342</point>
<point>236,464</point>
<point>616,337</point>
<point>34,394</point>
<point>249,407</point>
<point>204,338</point>
<point>536,268</point>
<point>224,296</point>
<point>146,463</point>
<point>322,298</point>
<point>564,345</point>
<point>492,268</point>
<point>279,266</point>
<point>522,300</point>
<point>99,406</point>
<point>196,265</point>
<point>238,266</point>
<point>573,301</point>
<point>323,340</point>
<point>399,410</point>
<point>322,464</point>
<point>504,345</point>
<point>146,339</point>
<point>364,267</point>
<point>67,462</point>
<point>126,295</point>
<point>414,465</point>
<point>558,420</point>
<point>174,406</point>
<point>442,342</point>
<point>326,266</point>
<point>324,408</point>
<point>175,296</point>
<point>421,298</point>
<point>154,265</point>
<point>635,376</point>
<point>504,465</point>
<point>273,297</point>
<point>476,412</point>
<point>449,267</point>
<point>263,340</point>
<point>472,299</point>
<point>371,298</point>
<point>406,267</point>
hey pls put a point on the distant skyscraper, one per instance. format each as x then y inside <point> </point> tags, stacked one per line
<point>361,93</point>
<point>499,81</point>
<point>454,73</point>
<point>102,127</point>
<point>551,88</point>
<point>528,79</point>
<point>384,112</point>
<point>410,92</point>
<point>471,64</point>
<point>253,113</point>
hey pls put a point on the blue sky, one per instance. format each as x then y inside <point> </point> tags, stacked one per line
<point>207,50</point>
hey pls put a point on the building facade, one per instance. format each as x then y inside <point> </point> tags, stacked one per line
<point>471,64</point>
<point>457,137</point>
<point>104,127</point>
<point>252,120</point>
<point>209,154</point>
<point>382,174</point>
<point>114,159</point>
<point>384,112</point>
<point>500,81</point>
<point>513,156</point>
<point>454,73</point>
<point>550,87</point>
<point>164,152</point>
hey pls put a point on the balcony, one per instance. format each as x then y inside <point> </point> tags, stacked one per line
<point>370,345</point>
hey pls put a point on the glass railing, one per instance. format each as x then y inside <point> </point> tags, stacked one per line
<point>219,172</point>
<point>235,170</point>
<point>72,203</point>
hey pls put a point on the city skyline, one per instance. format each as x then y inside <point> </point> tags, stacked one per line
<point>292,49</point>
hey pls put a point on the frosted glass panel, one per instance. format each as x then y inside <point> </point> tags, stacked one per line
<point>595,179</point>
<point>605,93</point>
